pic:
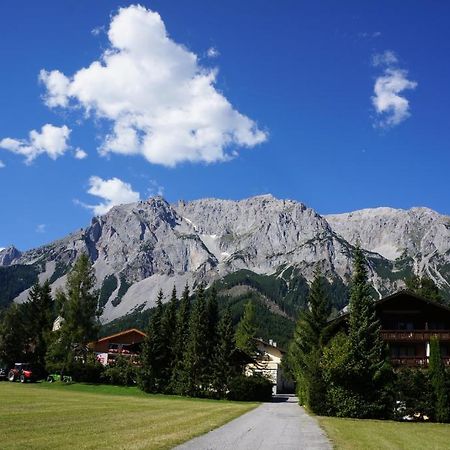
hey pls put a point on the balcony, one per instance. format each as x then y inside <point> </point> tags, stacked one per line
<point>415,361</point>
<point>414,335</point>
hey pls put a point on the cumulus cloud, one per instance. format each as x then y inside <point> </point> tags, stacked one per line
<point>161,103</point>
<point>113,192</point>
<point>51,140</point>
<point>79,153</point>
<point>391,107</point>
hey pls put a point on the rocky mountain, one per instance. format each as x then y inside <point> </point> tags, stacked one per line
<point>140,248</point>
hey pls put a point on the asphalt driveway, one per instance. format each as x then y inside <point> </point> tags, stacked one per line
<point>281,425</point>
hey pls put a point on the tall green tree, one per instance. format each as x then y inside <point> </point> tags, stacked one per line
<point>367,359</point>
<point>78,306</point>
<point>223,365</point>
<point>14,341</point>
<point>181,340</point>
<point>196,364</point>
<point>438,382</point>
<point>153,352</point>
<point>246,331</point>
<point>306,349</point>
<point>169,338</point>
<point>40,312</point>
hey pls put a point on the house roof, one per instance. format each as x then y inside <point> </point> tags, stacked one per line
<point>122,333</point>
<point>393,296</point>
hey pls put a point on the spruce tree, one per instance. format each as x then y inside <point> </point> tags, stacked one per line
<point>246,331</point>
<point>181,341</point>
<point>212,308</point>
<point>168,336</point>
<point>438,382</point>
<point>223,367</point>
<point>13,336</point>
<point>425,287</point>
<point>306,349</point>
<point>153,352</point>
<point>78,306</point>
<point>367,357</point>
<point>196,381</point>
<point>40,316</point>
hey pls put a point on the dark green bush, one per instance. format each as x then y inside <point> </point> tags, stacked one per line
<point>90,371</point>
<point>123,372</point>
<point>253,388</point>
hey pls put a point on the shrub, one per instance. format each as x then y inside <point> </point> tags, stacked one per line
<point>90,371</point>
<point>123,372</point>
<point>253,388</point>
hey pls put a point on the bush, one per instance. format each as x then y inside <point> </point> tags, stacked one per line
<point>123,372</point>
<point>413,394</point>
<point>90,371</point>
<point>248,389</point>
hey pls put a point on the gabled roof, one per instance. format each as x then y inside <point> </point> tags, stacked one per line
<point>393,296</point>
<point>122,333</point>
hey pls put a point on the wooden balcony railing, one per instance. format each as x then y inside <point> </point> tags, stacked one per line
<point>414,335</point>
<point>415,361</point>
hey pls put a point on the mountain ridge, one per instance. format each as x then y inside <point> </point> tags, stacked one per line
<point>142,247</point>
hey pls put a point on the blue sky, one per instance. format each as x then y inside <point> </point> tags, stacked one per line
<point>219,99</point>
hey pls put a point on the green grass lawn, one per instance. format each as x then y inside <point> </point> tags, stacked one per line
<point>352,434</point>
<point>43,416</point>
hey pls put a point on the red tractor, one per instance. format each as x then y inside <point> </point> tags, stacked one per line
<point>22,372</point>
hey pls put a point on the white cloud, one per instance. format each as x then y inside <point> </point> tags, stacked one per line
<point>57,87</point>
<point>80,153</point>
<point>113,191</point>
<point>51,140</point>
<point>390,106</point>
<point>387,58</point>
<point>212,52</point>
<point>161,102</point>
<point>41,228</point>
<point>2,164</point>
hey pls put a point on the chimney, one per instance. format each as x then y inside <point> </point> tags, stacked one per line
<point>270,342</point>
<point>274,344</point>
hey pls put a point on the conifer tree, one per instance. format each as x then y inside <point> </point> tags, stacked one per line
<point>181,340</point>
<point>246,331</point>
<point>168,336</point>
<point>78,306</point>
<point>223,366</point>
<point>13,336</point>
<point>212,308</point>
<point>40,316</point>
<point>425,287</point>
<point>437,377</point>
<point>153,352</point>
<point>196,362</point>
<point>367,357</point>
<point>306,349</point>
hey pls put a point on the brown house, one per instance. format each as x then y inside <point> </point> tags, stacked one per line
<point>408,321</point>
<point>127,343</point>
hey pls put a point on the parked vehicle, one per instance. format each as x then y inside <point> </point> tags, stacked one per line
<point>22,372</point>
<point>57,377</point>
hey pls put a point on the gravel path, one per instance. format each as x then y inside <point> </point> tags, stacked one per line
<point>280,425</point>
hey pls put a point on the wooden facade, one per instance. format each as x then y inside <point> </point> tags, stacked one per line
<point>408,322</point>
<point>127,343</point>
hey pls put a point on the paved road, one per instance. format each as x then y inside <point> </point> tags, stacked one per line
<point>280,425</point>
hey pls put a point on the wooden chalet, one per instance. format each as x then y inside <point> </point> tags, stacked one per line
<point>127,343</point>
<point>408,322</point>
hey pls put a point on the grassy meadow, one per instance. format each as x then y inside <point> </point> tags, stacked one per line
<point>352,434</point>
<point>77,416</point>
